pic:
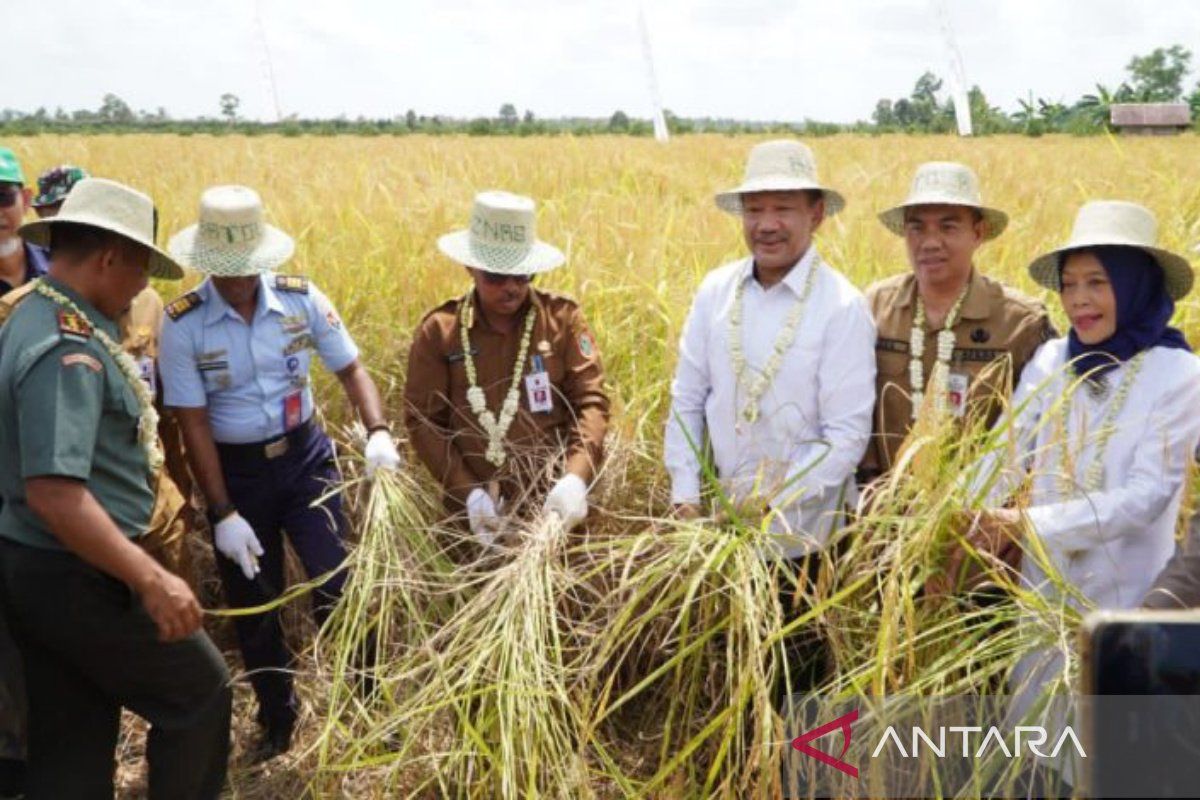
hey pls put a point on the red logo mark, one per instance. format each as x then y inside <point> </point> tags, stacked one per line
<point>842,723</point>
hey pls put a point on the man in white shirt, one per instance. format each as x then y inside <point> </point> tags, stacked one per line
<point>790,428</point>
<point>776,364</point>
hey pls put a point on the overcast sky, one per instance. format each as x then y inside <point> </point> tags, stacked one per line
<point>749,59</point>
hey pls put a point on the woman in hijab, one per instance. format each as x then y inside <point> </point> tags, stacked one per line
<point>1107,418</point>
<point>1103,427</point>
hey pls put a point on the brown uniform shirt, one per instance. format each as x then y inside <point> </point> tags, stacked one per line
<point>449,439</point>
<point>997,332</point>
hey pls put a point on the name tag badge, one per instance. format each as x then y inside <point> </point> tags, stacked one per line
<point>537,389</point>
<point>292,409</point>
<point>957,385</point>
<point>146,370</point>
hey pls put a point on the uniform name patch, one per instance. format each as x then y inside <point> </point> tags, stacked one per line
<point>892,346</point>
<point>454,358</point>
<point>83,359</point>
<point>978,354</point>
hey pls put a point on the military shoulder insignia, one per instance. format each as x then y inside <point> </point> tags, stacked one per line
<point>182,305</point>
<point>292,283</point>
<point>587,345</point>
<point>73,326</point>
<point>82,359</point>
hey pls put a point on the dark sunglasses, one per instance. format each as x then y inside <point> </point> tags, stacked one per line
<point>497,279</point>
<point>9,196</point>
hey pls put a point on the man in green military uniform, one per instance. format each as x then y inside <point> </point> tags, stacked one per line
<point>100,625</point>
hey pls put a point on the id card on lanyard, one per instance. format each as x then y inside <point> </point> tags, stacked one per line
<point>537,388</point>
<point>293,410</point>
<point>957,385</point>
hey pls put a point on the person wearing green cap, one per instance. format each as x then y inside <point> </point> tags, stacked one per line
<point>19,261</point>
<point>99,624</point>
<point>53,185</point>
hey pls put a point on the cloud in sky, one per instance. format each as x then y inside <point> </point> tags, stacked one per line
<point>750,59</point>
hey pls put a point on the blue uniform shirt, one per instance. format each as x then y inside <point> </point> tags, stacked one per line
<point>253,378</point>
<point>37,261</point>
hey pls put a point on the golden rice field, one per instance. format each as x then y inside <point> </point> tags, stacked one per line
<point>636,218</point>
<point>637,221</point>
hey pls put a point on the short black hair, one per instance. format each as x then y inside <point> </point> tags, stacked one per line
<point>76,241</point>
<point>813,195</point>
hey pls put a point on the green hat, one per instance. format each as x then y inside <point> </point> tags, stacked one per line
<point>53,184</point>
<point>10,168</point>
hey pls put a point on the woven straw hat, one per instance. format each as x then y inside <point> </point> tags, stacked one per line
<point>782,165</point>
<point>948,183</point>
<point>502,238</point>
<point>1116,222</point>
<point>110,206</point>
<point>231,239</point>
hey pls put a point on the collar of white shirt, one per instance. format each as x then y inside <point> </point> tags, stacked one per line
<point>795,277</point>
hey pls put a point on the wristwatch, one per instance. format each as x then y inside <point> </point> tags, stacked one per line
<point>217,513</point>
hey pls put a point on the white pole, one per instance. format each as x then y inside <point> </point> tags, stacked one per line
<point>267,68</point>
<point>958,76</point>
<point>660,121</point>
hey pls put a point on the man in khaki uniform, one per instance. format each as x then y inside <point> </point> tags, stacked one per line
<point>540,413</point>
<point>986,331</point>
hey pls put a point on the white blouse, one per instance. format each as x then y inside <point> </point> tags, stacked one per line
<point>1109,543</point>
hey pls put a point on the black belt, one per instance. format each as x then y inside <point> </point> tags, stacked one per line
<point>270,449</point>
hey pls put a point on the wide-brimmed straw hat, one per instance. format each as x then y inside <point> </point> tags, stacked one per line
<point>502,238</point>
<point>231,239</point>
<point>782,165</point>
<point>1103,223</point>
<point>110,206</point>
<point>945,183</point>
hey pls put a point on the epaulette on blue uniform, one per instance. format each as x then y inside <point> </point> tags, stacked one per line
<point>182,305</point>
<point>291,283</point>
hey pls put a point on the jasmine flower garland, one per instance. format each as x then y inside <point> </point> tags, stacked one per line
<point>147,416</point>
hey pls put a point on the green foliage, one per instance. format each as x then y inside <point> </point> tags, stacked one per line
<point>1154,77</point>
<point>1158,77</point>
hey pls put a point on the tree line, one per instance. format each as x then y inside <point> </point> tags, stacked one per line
<point>1158,76</point>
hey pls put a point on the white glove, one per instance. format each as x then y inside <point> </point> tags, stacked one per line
<point>483,516</point>
<point>381,453</point>
<point>237,542</point>
<point>568,499</point>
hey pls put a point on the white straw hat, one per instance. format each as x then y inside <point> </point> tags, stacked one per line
<point>1103,223</point>
<point>502,238</point>
<point>231,239</point>
<point>781,165</point>
<point>948,183</point>
<point>110,206</point>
